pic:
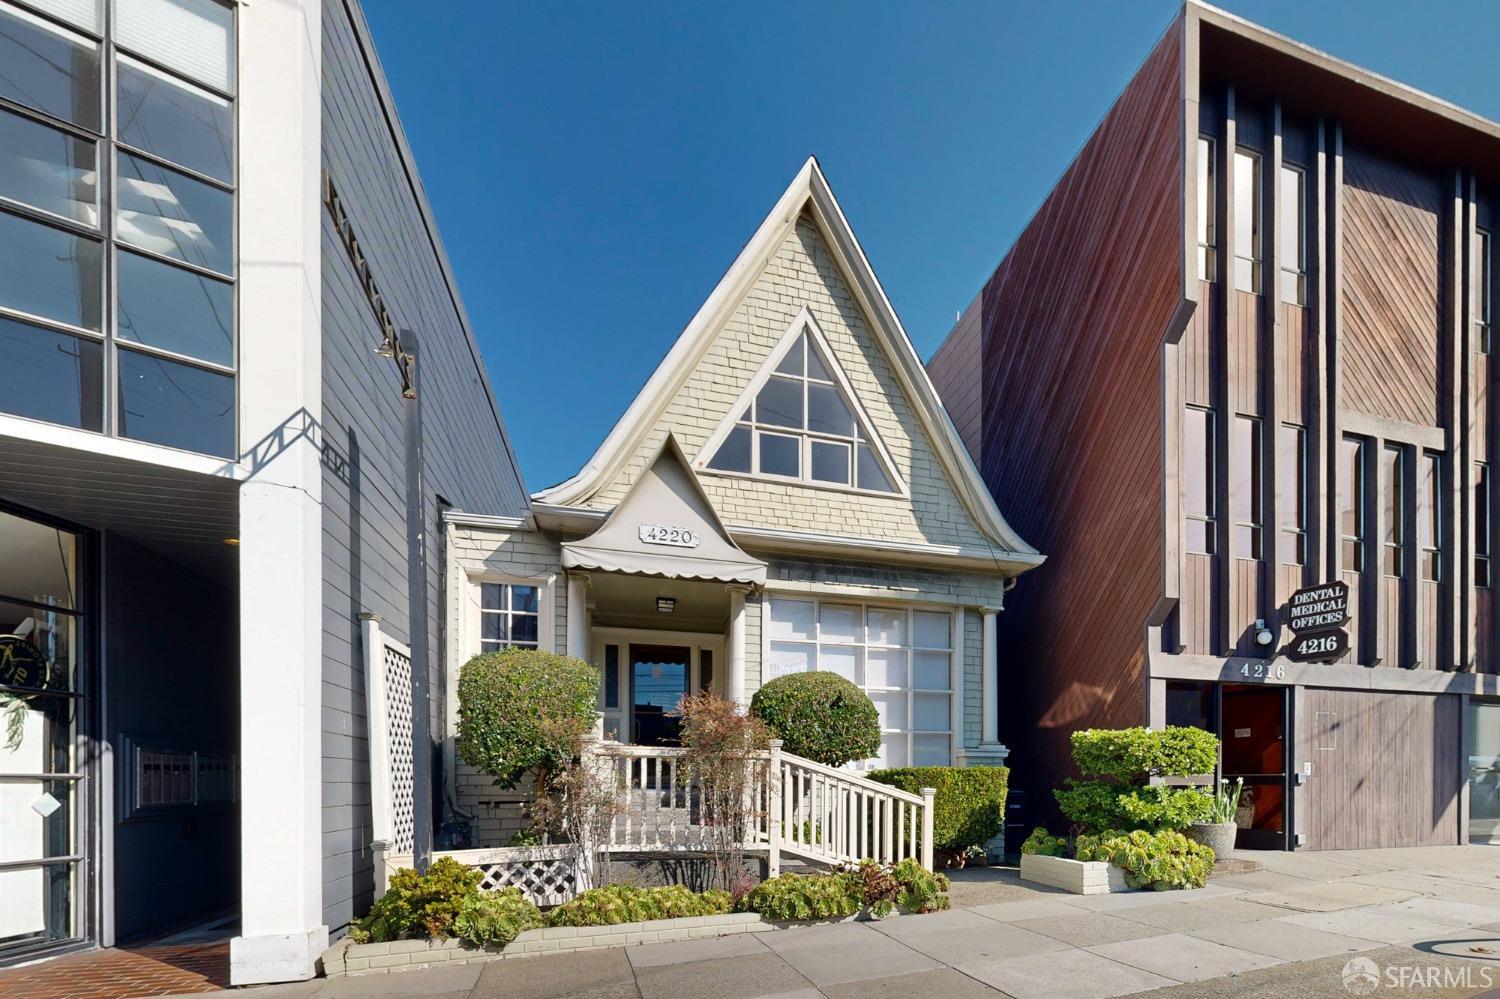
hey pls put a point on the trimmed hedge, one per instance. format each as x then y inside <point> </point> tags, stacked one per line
<point>969,809</point>
<point>1123,761</point>
<point>821,716</point>
<point>521,710</point>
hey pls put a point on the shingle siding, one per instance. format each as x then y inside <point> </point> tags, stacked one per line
<point>466,458</point>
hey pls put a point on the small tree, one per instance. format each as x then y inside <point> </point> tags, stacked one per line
<point>522,710</point>
<point>821,716</point>
<point>1124,761</point>
<point>721,746</point>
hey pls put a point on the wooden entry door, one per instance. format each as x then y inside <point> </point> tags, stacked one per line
<point>1384,769</point>
<point>1253,734</point>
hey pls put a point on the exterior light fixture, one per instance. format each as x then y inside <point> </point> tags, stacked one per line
<point>232,542</point>
<point>666,605</point>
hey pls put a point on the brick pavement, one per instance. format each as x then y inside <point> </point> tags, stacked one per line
<point>119,973</point>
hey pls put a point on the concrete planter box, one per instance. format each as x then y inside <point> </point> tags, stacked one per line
<point>349,958</point>
<point>1094,877</point>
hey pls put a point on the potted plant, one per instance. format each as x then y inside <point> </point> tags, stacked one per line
<point>1218,828</point>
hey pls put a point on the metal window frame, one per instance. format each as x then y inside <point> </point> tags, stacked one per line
<point>1257,227</point>
<point>1298,528</point>
<point>1256,456</point>
<point>1357,485</point>
<point>1299,257</point>
<point>1211,489</point>
<point>1208,209</point>
<point>1393,486</point>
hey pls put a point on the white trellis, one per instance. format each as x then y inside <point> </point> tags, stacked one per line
<point>548,875</point>
<point>388,712</point>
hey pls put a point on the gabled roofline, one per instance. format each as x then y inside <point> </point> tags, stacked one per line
<point>809,189</point>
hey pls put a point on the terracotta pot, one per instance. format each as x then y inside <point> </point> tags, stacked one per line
<point>1217,836</point>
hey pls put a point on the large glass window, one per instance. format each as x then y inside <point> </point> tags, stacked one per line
<point>802,426</point>
<point>1393,509</point>
<point>1246,487</point>
<point>1482,746</point>
<point>1247,221</point>
<point>1198,469</point>
<point>1352,504</point>
<point>1482,524</point>
<point>1291,236</point>
<point>1430,516</point>
<point>39,710</point>
<point>1291,493</point>
<point>83,175</point>
<point>901,656</point>
<point>1484,288</point>
<point>1208,173</point>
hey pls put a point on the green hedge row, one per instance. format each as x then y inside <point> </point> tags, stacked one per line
<point>969,808</point>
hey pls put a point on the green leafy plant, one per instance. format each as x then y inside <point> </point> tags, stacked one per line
<point>821,716</point>
<point>1226,800</point>
<point>794,897</point>
<point>1162,860</point>
<point>526,836</point>
<point>493,919</point>
<point>420,905</point>
<point>921,889</point>
<point>522,710</point>
<point>1123,761</point>
<point>615,904</point>
<point>969,808</point>
<point>1043,844</point>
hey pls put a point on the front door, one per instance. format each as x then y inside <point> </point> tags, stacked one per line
<point>659,677</point>
<point>1253,734</point>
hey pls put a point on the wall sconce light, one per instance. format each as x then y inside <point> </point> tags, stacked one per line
<point>666,605</point>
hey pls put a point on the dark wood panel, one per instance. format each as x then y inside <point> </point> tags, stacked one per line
<point>1196,608</point>
<point>1294,333</point>
<point>1247,587</point>
<point>1384,769</point>
<point>1359,646</point>
<point>1247,343</point>
<point>1073,326</point>
<point>1198,349</point>
<point>1391,318</point>
<point>1429,609</point>
<point>1389,621</point>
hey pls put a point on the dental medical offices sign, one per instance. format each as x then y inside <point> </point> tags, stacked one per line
<point>1316,615</point>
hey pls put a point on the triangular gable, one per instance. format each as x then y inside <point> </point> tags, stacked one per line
<point>665,526</point>
<point>824,432</point>
<point>808,191</point>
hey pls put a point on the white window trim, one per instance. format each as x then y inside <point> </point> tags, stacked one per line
<point>956,657</point>
<point>803,320</point>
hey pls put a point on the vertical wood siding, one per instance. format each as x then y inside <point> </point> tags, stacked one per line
<point>956,365</point>
<point>1072,322</point>
<point>1384,769</point>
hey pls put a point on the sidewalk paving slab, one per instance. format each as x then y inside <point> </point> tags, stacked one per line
<point>1035,908</point>
<point>1278,939</point>
<point>1366,925</point>
<point>1184,958</point>
<point>599,974</point>
<point>1085,929</point>
<point>724,978</point>
<point>1115,901</point>
<point>441,980</point>
<point>959,935</point>
<point>1441,910</point>
<point>1069,974</point>
<point>681,951</point>
<point>945,983</point>
<point>1230,911</point>
<point>846,952</point>
<point>1330,897</point>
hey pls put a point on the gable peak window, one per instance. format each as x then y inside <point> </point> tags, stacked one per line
<point>799,422</point>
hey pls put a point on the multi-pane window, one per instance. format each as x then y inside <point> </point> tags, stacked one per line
<point>802,426</point>
<point>1245,488</point>
<point>117,231</point>
<point>1198,468</point>
<point>509,616</point>
<point>1291,236</point>
<point>1484,287</point>
<point>1352,504</point>
<point>1291,493</point>
<point>1393,509</point>
<point>901,656</point>
<point>1430,516</point>
<point>1247,221</point>
<point>1208,172</point>
<point>1482,524</point>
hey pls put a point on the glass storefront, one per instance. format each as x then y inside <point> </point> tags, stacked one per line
<point>1482,735</point>
<point>40,846</point>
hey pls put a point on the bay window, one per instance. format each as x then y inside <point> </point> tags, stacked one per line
<point>903,657</point>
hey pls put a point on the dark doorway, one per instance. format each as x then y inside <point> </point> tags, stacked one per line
<point>1253,734</point>
<point>658,681</point>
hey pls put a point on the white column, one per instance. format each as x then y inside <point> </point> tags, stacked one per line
<point>578,616</point>
<point>734,687</point>
<point>990,662</point>
<point>281,523</point>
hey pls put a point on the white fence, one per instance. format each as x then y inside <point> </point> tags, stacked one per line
<point>548,875</point>
<point>388,716</point>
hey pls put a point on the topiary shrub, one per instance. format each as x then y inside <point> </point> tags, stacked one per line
<point>821,716</point>
<point>420,905</point>
<point>1123,760</point>
<point>1162,861</point>
<point>615,904</point>
<point>969,808</point>
<point>522,710</point>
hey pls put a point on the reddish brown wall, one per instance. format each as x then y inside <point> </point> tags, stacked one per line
<point>1072,323</point>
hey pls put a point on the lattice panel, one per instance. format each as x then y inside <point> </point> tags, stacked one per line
<point>545,880</point>
<point>398,727</point>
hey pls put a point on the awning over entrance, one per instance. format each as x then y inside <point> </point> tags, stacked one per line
<point>665,526</point>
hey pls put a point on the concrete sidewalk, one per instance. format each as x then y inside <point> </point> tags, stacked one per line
<point>1429,917</point>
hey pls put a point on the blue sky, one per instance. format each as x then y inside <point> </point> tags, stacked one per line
<point>595,167</point>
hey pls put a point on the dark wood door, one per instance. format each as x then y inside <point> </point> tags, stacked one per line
<point>1253,733</point>
<point>1385,769</point>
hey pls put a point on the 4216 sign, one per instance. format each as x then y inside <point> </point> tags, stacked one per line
<point>1316,615</point>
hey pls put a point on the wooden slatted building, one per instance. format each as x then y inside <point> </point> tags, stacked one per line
<point>1245,347</point>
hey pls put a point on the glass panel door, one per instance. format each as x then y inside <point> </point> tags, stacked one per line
<point>1253,737</point>
<point>39,845</point>
<point>1482,733</point>
<point>658,680</point>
